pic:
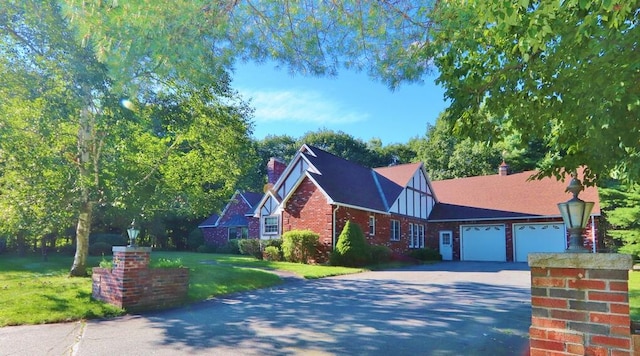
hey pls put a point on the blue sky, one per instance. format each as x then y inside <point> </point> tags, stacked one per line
<point>352,103</point>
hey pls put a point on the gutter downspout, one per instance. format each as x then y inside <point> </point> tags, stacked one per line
<point>334,227</point>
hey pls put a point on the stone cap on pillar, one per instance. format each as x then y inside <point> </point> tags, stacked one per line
<point>610,261</point>
<point>131,249</point>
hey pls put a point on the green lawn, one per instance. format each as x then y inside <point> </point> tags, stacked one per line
<point>34,292</point>
<point>634,295</point>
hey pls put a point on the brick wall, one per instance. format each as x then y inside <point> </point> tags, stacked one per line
<point>580,304</point>
<point>132,285</point>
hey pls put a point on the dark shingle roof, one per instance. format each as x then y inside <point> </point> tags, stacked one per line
<point>209,222</point>
<point>345,182</point>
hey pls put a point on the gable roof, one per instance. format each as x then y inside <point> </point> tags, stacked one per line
<point>497,196</point>
<point>343,181</point>
<point>209,222</point>
<point>252,200</point>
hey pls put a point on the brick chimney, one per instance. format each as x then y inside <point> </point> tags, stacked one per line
<point>275,167</point>
<point>503,170</point>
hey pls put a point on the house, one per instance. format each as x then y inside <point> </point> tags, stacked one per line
<point>503,217</point>
<point>500,217</point>
<point>236,221</point>
<point>321,192</point>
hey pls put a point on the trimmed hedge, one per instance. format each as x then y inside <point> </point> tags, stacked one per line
<point>425,254</point>
<point>272,253</point>
<point>250,247</point>
<point>352,249</point>
<point>300,246</point>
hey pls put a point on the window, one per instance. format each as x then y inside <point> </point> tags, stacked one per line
<point>395,230</point>
<point>270,225</point>
<point>372,225</point>
<point>238,232</point>
<point>416,236</point>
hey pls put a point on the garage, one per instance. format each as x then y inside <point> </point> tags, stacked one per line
<point>529,238</point>
<point>483,243</point>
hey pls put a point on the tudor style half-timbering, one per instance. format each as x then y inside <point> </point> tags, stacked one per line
<point>321,192</point>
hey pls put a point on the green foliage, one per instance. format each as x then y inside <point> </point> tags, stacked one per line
<point>380,254</point>
<point>272,253</point>
<point>195,239</point>
<point>352,249</point>
<point>231,247</point>
<point>300,245</point>
<point>272,242</point>
<point>542,71</point>
<point>425,254</point>
<point>166,263</point>
<point>250,247</point>
<point>621,207</point>
<point>100,249</point>
<point>108,264</point>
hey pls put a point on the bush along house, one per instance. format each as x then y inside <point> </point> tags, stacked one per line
<point>500,217</point>
<point>319,191</point>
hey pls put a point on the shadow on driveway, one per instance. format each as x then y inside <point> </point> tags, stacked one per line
<point>354,317</point>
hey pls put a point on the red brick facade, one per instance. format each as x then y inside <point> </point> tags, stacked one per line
<point>132,285</point>
<point>580,305</point>
<point>219,236</point>
<point>308,209</point>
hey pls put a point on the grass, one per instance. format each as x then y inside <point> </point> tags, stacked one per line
<point>35,292</point>
<point>634,295</point>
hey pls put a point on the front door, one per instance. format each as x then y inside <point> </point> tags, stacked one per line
<point>446,245</point>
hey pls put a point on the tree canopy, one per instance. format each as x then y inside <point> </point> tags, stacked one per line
<point>563,72</point>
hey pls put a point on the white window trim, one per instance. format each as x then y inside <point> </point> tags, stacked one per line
<point>393,237</point>
<point>372,225</point>
<point>264,225</point>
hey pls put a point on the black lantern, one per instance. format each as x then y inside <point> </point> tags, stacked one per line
<point>575,213</point>
<point>133,233</point>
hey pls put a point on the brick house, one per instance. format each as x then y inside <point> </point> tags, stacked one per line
<point>503,217</point>
<point>321,192</point>
<point>236,221</point>
<point>500,217</point>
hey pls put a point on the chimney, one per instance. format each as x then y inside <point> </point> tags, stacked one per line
<point>275,167</point>
<point>503,170</point>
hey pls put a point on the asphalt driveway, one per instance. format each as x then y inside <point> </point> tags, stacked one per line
<point>451,308</point>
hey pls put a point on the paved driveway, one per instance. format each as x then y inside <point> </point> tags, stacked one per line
<point>451,308</point>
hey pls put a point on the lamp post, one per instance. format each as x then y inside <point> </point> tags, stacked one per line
<point>575,213</point>
<point>133,233</point>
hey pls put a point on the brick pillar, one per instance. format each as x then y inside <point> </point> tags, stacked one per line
<point>130,269</point>
<point>580,304</point>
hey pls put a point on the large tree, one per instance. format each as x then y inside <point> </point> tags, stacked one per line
<point>139,128</point>
<point>566,72</point>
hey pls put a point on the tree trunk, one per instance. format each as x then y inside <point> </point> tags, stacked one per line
<point>83,230</point>
<point>87,177</point>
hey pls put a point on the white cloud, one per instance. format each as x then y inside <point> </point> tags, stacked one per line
<point>300,107</point>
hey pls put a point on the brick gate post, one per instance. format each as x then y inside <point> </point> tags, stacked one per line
<point>580,304</point>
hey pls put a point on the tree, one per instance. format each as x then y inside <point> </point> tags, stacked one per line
<point>564,72</point>
<point>174,142</point>
<point>620,203</point>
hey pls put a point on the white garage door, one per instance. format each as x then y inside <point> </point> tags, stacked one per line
<point>530,238</point>
<point>483,243</point>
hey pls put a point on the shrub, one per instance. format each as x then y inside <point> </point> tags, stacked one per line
<point>110,239</point>
<point>352,249</point>
<point>231,247</point>
<point>425,254</point>
<point>272,242</point>
<point>195,239</point>
<point>299,245</point>
<point>272,253</point>
<point>67,250</point>
<point>207,249</point>
<point>166,263</point>
<point>99,249</point>
<point>380,254</point>
<point>250,247</point>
